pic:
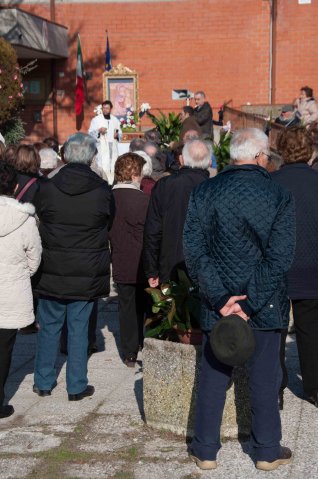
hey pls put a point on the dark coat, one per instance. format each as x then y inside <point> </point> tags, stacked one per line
<point>302,181</point>
<point>239,238</point>
<point>147,184</point>
<point>29,195</point>
<point>74,210</point>
<point>204,117</point>
<point>126,235</point>
<point>163,249</point>
<point>190,123</point>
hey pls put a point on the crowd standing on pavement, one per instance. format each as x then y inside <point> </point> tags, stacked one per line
<point>246,237</point>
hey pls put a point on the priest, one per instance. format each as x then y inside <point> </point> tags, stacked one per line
<point>105,128</point>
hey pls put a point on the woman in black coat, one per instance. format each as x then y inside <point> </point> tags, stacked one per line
<point>294,145</point>
<point>126,236</point>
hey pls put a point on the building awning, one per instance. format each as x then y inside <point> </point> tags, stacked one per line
<point>33,36</point>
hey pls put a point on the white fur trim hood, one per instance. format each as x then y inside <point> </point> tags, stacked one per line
<point>13,214</point>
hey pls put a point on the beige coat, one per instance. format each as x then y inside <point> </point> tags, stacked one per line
<point>20,256</point>
<point>307,109</point>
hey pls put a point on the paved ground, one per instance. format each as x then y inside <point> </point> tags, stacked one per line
<point>105,437</point>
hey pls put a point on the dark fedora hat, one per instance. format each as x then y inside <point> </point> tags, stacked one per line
<point>232,340</point>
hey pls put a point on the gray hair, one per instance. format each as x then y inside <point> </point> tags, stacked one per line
<point>137,144</point>
<point>247,143</point>
<point>49,158</point>
<point>80,148</point>
<point>197,154</point>
<point>151,144</point>
<point>147,168</point>
<point>201,93</point>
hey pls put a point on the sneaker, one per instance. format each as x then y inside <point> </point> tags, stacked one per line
<point>284,458</point>
<point>204,465</point>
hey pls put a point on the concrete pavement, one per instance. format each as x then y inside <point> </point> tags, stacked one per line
<point>105,437</point>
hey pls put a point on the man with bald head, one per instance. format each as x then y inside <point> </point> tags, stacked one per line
<point>163,251</point>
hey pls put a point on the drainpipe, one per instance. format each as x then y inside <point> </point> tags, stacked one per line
<point>52,10</point>
<point>272,51</point>
<point>53,76</point>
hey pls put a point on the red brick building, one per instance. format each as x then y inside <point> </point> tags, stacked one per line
<point>256,51</point>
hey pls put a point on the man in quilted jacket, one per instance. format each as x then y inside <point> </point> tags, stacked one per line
<point>239,241</point>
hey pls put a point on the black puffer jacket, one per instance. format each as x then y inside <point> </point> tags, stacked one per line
<point>74,210</point>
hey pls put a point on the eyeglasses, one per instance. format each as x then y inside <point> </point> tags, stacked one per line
<point>269,158</point>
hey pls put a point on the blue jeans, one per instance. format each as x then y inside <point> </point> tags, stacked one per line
<point>51,315</point>
<point>265,377</point>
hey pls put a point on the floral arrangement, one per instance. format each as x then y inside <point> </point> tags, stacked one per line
<point>11,86</point>
<point>129,122</point>
<point>98,110</point>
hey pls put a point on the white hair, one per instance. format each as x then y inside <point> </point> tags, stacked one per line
<point>197,154</point>
<point>48,158</point>
<point>201,93</point>
<point>247,143</point>
<point>80,148</point>
<point>147,168</point>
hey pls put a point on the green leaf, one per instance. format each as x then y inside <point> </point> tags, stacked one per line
<point>172,312</point>
<point>155,294</point>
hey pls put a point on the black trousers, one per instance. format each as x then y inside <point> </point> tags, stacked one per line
<point>282,353</point>
<point>92,325</point>
<point>306,329</point>
<point>132,302</point>
<point>7,340</point>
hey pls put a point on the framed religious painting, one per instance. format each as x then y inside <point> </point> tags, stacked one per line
<point>120,86</point>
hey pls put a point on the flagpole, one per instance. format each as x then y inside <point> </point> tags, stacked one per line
<point>84,73</point>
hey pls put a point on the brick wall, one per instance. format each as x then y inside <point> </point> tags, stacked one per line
<point>220,46</point>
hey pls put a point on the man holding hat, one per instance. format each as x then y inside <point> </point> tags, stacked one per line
<point>239,241</point>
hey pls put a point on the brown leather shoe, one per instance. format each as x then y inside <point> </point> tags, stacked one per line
<point>204,465</point>
<point>130,363</point>
<point>284,458</point>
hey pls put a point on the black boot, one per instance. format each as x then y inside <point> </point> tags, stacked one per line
<point>6,411</point>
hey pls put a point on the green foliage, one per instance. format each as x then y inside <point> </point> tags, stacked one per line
<point>169,126</point>
<point>13,131</point>
<point>221,150</point>
<point>175,305</point>
<point>11,87</point>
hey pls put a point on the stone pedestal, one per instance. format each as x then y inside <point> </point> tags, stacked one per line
<point>171,373</point>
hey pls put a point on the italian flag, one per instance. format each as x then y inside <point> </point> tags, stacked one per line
<point>79,90</point>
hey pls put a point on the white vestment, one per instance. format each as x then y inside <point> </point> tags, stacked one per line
<point>106,144</point>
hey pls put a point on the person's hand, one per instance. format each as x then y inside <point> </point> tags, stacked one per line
<point>231,307</point>
<point>102,130</point>
<point>153,282</point>
<point>242,314</point>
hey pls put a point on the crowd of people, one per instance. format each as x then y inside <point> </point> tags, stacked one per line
<point>247,237</point>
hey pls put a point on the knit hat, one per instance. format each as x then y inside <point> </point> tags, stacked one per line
<point>232,340</point>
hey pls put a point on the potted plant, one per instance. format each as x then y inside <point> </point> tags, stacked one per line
<point>169,126</point>
<point>221,150</point>
<point>176,312</point>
